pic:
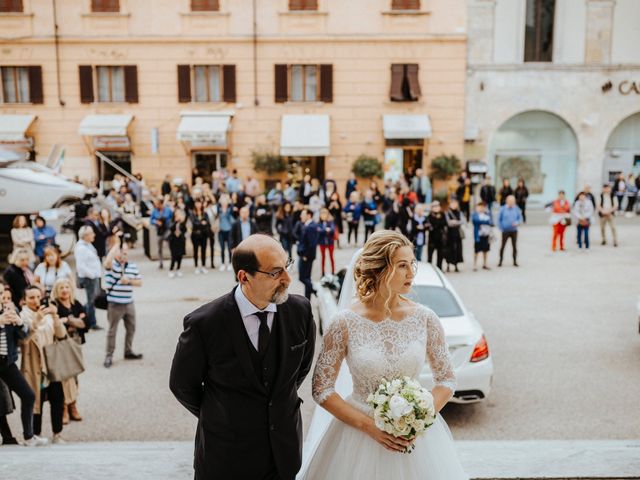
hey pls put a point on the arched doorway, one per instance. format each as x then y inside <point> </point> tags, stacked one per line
<point>539,147</point>
<point>622,153</point>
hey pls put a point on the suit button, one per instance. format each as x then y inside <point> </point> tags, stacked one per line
<point>266,384</point>
<point>271,404</point>
<point>272,428</point>
<point>266,368</point>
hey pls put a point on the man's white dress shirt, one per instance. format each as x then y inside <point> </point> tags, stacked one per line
<point>250,320</point>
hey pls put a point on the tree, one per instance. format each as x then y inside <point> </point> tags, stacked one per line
<point>367,167</point>
<point>445,166</point>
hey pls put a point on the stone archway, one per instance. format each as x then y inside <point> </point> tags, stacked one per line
<point>539,146</point>
<point>622,153</point>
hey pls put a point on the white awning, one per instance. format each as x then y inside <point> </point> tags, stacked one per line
<point>305,135</point>
<point>204,127</point>
<point>13,128</point>
<point>402,127</point>
<point>105,125</point>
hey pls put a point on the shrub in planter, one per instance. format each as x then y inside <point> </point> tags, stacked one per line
<point>268,162</point>
<point>445,166</point>
<point>367,167</point>
<point>442,195</point>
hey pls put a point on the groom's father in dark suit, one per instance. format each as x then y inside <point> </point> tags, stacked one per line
<point>238,366</point>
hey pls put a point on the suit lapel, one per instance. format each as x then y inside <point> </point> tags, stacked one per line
<point>238,334</point>
<point>283,337</point>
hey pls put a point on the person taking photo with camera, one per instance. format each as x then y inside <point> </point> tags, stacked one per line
<point>120,279</point>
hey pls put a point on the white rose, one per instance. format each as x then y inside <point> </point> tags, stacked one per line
<point>398,407</point>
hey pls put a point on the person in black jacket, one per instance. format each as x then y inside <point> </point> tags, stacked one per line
<point>200,231</point>
<point>522,193</point>
<point>455,235</point>
<point>335,208</point>
<point>437,226</point>
<point>487,194</point>
<point>102,231</point>
<point>307,246</point>
<point>284,227</point>
<point>242,228</point>
<point>238,366</point>
<point>263,216</point>
<point>12,331</point>
<point>505,191</point>
<point>177,242</point>
<point>18,276</point>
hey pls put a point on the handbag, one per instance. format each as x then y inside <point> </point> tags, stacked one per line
<point>63,359</point>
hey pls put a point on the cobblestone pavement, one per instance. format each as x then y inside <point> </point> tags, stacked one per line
<point>562,328</point>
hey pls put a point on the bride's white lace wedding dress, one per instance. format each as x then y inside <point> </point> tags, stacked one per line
<point>375,350</point>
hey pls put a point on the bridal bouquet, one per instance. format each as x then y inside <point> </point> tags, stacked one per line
<point>402,407</point>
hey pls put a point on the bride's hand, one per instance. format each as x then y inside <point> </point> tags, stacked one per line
<point>394,444</point>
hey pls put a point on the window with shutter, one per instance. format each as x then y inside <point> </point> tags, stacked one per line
<point>102,6</point>
<point>205,5</point>
<point>86,83</point>
<point>304,83</point>
<point>15,85</point>
<point>405,5</point>
<point>11,6</point>
<point>405,85</point>
<point>184,83</point>
<point>111,84</point>
<point>35,84</point>
<point>281,80</point>
<point>295,5</point>
<point>208,83</point>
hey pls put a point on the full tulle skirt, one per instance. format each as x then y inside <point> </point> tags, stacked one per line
<point>344,452</point>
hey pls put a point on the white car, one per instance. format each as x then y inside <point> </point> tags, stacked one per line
<point>467,343</point>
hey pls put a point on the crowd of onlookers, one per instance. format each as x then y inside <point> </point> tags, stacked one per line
<point>209,219</point>
<point>39,307</point>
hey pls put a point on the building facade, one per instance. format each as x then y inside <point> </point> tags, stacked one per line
<point>171,86</point>
<point>553,92</point>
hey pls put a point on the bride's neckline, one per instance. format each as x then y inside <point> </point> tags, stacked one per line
<point>409,316</point>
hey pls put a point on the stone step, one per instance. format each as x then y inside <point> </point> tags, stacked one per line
<point>486,460</point>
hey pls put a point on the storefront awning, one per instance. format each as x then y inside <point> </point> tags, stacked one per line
<point>401,127</point>
<point>305,136</point>
<point>13,128</point>
<point>204,127</point>
<point>105,125</point>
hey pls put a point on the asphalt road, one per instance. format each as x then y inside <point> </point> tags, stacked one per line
<point>562,328</point>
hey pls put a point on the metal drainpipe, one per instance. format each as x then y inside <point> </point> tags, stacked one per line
<point>56,38</point>
<point>256,102</point>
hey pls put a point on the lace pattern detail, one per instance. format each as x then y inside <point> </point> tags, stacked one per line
<point>376,350</point>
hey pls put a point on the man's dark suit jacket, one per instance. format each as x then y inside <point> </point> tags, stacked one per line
<point>236,232</point>
<point>308,241</point>
<point>243,427</point>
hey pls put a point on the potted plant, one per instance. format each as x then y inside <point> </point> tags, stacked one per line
<point>367,167</point>
<point>268,162</point>
<point>443,167</point>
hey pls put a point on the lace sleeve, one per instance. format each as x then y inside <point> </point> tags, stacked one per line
<point>333,351</point>
<point>438,353</point>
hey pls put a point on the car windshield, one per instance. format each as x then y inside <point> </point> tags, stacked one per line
<point>438,299</point>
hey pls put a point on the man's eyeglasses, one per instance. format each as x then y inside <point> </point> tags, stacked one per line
<point>275,274</point>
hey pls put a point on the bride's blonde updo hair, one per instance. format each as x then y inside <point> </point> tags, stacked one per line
<point>374,268</point>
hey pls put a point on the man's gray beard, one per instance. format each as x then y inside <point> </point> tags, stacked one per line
<point>280,297</point>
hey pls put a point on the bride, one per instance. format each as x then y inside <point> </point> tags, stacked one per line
<point>381,334</point>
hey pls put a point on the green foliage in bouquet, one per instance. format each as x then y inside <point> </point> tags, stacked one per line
<point>445,166</point>
<point>268,162</point>
<point>367,167</point>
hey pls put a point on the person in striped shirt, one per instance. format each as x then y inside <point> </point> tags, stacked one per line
<point>120,279</point>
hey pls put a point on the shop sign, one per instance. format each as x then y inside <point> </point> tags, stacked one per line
<point>111,141</point>
<point>626,87</point>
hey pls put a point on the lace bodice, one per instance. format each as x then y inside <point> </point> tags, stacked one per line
<point>387,349</point>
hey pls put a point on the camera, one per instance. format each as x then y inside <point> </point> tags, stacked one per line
<point>45,301</point>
